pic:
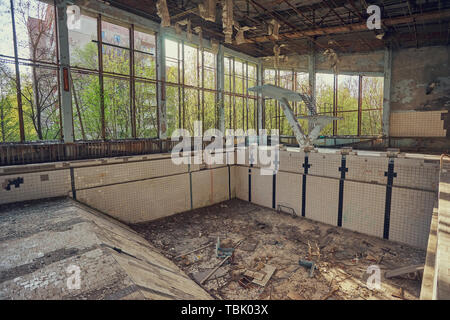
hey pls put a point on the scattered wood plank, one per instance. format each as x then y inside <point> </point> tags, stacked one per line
<point>268,270</point>
<point>400,294</point>
<point>403,270</point>
<point>254,274</point>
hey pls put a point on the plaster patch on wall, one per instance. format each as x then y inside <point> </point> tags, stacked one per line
<point>403,91</point>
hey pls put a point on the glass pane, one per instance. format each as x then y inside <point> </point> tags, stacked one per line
<point>285,127</point>
<point>252,71</point>
<point>116,59</point>
<point>372,101</point>
<point>251,111</point>
<point>238,67</point>
<point>302,82</point>
<point>269,76</point>
<point>209,112</point>
<point>146,110</point>
<point>251,83</point>
<point>371,122</point>
<point>171,49</point>
<point>6,35</point>
<point>286,80</point>
<point>372,93</point>
<point>9,121</point>
<point>172,107</point>
<point>226,62</point>
<point>144,65</point>
<point>210,79</point>
<point>228,83</point>
<point>209,60</point>
<point>349,125</point>
<point>347,93</point>
<point>117,108</point>
<point>82,46</point>
<point>40,103</point>
<point>239,83</point>
<point>86,106</point>
<point>347,100</point>
<point>324,92</point>
<point>192,109</point>
<point>171,70</point>
<point>191,76</point>
<point>239,113</point>
<point>115,34</point>
<point>228,112</point>
<point>270,115</point>
<point>145,42</point>
<point>35,30</point>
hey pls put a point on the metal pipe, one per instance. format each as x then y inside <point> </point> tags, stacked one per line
<point>100,75</point>
<point>18,89</point>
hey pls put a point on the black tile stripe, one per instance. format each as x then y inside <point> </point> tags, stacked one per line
<point>306,165</point>
<point>343,170</point>
<point>390,174</point>
<point>72,182</point>
<point>250,184</point>
<point>190,186</point>
<point>274,181</point>
<point>229,182</point>
<point>274,189</point>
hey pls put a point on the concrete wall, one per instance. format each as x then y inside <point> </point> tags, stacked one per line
<point>356,62</point>
<point>415,113</point>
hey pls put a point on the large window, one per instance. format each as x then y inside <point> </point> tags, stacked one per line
<point>113,80</point>
<point>240,104</point>
<point>38,72</point>
<point>124,70</point>
<point>191,90</point>
<point>357,99</point>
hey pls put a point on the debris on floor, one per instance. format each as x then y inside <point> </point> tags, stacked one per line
<point>238,250</point>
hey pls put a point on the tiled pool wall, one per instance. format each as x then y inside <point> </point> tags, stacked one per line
<point>369,193</point>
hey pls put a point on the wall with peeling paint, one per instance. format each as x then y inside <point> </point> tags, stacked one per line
<point>412,71</point>
<point>414,111</point>
<point>357,62</point>
<point>296,62</point>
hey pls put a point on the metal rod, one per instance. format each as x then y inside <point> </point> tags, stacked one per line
<point>58,73</point>
<point>359,104</point>
<point>214,270</point>
<point>195,250</point>
<point>100,75</point>
<point>18,89</point>
<point>132,85</point>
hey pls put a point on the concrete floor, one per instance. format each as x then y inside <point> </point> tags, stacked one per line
<point>265,237</point>
<point>42,243</point>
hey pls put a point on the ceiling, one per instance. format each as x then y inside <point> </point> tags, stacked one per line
<point>337,24</point>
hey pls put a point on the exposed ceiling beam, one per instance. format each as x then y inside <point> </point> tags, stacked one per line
<point>354,27</point>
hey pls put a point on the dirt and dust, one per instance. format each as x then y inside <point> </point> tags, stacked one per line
<point>261,236</point>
